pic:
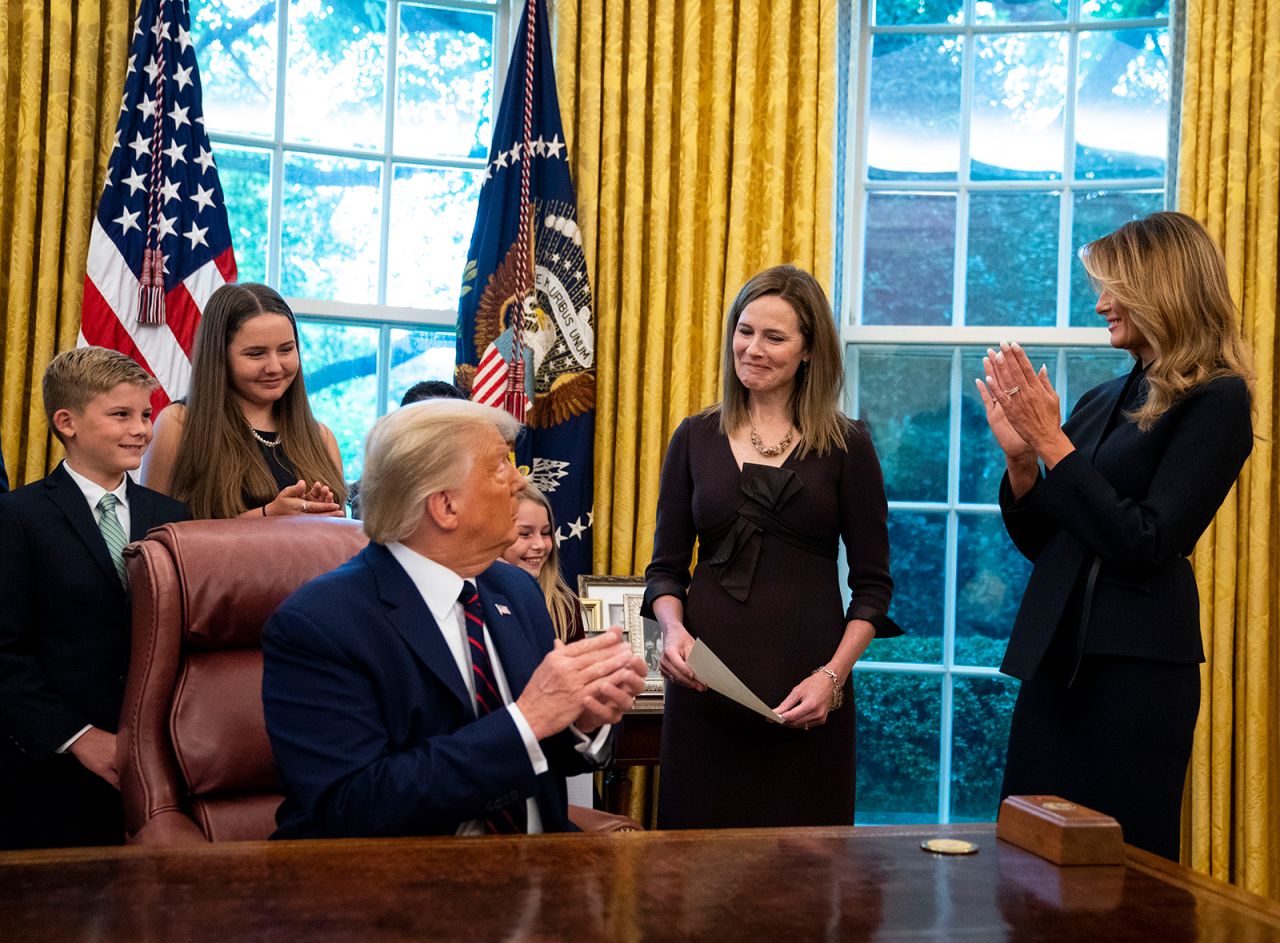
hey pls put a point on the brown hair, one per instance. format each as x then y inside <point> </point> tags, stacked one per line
<point>76,376</point>
<point>1167,271</point>
<point>815,399</point>
<point>562,602</point>
<point>217,459</point>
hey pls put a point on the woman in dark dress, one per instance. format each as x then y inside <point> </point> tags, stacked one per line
<point>768,482</point>
<point>244,442</point>
<point>1107,639</point>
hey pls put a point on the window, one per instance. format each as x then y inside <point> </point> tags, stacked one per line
<point>986,140</point>
<point>351,138</point>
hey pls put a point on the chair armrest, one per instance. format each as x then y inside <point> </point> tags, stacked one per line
<point>593,820</point>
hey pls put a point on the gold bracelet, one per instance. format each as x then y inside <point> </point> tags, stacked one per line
<point>837,690</point>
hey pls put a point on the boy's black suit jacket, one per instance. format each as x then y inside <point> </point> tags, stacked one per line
<point>64,616</point>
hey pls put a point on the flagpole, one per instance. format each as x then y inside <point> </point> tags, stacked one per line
<point>515,396</point>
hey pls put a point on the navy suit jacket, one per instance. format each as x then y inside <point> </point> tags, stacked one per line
<point>64,616</point>
<point>371,726</point>
<point>1134,503</point>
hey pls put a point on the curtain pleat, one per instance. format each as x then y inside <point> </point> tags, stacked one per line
<point>1229,178</point>
<point>62,72</point>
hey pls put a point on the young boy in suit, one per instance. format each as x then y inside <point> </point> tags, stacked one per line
<point>64,605</point>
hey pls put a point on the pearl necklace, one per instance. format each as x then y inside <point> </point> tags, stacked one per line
<point>267,442</point>
<point>771,451</point>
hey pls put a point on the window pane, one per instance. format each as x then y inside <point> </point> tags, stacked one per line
<point>1122,104</point>
<point>981,460</point>
<point>245,175</point>
<point>918,563</point>
<point>433,213</point>
<point>235,44</point>
<point>914,122</point>
<point>1087,368</point>
<point>981,710</point>
<point>444,81</point>
<point>1019,11</point>
<point>337,73</point>
<point>902,284</point>
<point>330,228</point>
<point>418,356</point>
<point>1123,9</point>
<point>1012,275</point>
<point>898,741</point>
<point>1019,92</point>
<point>908,12</point>
<point>1095,214</point>
<point>341,369</point>
<point>990,577</point>
<point>903,397</point>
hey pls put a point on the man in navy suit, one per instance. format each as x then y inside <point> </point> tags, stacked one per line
<point>419,688</point>
<point>64,607</point>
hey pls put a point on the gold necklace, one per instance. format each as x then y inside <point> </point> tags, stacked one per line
<point>771,451</point>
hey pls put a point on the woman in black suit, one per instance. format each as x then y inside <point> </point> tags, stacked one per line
<point>1107,639</point>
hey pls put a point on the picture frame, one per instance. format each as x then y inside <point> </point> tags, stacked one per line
<point>617,600</point>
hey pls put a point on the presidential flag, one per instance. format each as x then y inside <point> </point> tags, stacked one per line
<point>160,244</point>
<point>525,338</point>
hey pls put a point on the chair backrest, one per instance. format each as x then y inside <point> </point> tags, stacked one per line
<point>195,763</point>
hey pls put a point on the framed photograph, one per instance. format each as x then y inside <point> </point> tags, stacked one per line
<point>616,600</point>
<point>591,616</point>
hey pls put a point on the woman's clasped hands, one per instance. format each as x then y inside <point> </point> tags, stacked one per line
<point>1022,407</point>
<point>299,499</point>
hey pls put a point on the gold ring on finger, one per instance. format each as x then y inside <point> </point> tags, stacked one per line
<point>1012,391</point>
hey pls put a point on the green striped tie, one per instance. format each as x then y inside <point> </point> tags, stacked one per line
<point>113,533</point>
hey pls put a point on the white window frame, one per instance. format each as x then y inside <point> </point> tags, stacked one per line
<point>849,247</point>
<point>375,311</point>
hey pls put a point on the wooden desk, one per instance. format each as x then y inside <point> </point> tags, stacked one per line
<point>775,885</point>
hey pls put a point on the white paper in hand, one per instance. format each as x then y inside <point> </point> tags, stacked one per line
<point>712,672</point>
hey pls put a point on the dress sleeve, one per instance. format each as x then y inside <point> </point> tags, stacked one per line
<point>674,532</point>
<point>864,514</point>
<point>1201,459</point>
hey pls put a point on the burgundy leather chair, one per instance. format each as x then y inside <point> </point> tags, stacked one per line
<point>194,759</point>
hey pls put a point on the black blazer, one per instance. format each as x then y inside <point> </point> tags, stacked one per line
<point>64,617</point>
<point>371,725</point>
<point>1134,503</point>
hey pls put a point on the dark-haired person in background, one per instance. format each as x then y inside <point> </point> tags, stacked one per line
<point>1107,639</point>
<point>420,391</point>
<point>244,442</point>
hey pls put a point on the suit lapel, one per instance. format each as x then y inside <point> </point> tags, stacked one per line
<point>141,510</point>
<point>411,618</point>
<point>68,497</point>
<point>506,631</point>
<point>1091,428</point>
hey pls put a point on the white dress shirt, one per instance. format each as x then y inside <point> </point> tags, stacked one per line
<point>440,587</point>
<point>93,493</point>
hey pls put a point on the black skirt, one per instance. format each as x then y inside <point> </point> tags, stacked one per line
<point>1117,740</point>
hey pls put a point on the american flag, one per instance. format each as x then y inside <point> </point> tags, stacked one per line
<point>160,244</point>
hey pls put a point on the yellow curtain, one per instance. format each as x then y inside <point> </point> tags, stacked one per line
<point>61,76</point>
<point>1229,177</point>
<point>701,142</point>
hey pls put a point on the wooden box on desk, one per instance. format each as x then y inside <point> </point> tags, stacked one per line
<point>1060,831</point>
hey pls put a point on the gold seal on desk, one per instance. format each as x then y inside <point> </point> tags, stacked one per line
<point>949,846</point>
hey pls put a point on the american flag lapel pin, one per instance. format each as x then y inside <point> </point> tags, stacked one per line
<point>503,610</point>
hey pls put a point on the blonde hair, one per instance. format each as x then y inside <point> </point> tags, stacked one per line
<point>815,398</point>
<point>1167,271</point>
<point>562,602</point>
<point>76,376</point>
<point>412,453</point>
<point>217,460</point>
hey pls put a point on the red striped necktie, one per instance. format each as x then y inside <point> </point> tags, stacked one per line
<point>514,818</point>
